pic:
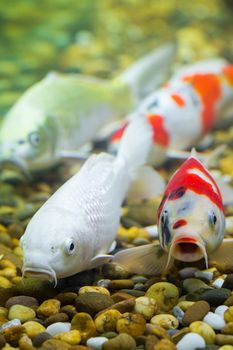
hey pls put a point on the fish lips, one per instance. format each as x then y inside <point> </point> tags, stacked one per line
<point>15,164</point>
<point>42,273</point>
<point>188,248</point>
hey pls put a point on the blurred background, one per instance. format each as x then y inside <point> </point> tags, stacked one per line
<point>101,37</point>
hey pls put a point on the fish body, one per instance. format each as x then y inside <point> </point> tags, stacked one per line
<point>74,230</point>
<point>186,108</point>
<point>191,224</point>
<point>63,112</point>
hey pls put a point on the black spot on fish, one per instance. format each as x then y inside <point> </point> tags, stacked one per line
<point>153,104</point>
<point>166,234</point>
<point>178,193</point>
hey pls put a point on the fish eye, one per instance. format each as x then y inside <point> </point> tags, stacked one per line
<point>212,218</point>
<point>164,217</point>
<point>34,138</point>
<point>69,246</point>
<point>21,142</point>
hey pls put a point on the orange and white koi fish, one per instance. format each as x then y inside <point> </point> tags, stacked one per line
<point>191,224</point>
<point>185,109</point>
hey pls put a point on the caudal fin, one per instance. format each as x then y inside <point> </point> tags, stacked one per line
<point>135,144</point>
<point>150,71</point>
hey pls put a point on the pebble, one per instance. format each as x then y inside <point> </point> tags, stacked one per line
<point>59,317</point>
<point>124,306</point>
<point>226,347</point>
<point>123,341</point>
<point>66,297</point>
<point>228,328</point>
<point>72,337</point>
<point>166,321</point>
<point>154,329</point>
<point>133,324</point>
<point>191,341</point>
<point>203,329</point>
<point>84,324</point>
<point>107,321</point>
<point>35,287</point>
<point>193,284</point>
<point>134,292</point>
<point>187,272</point>
<point>207,275</point>
<point>2,342</point>
<point>40,339</point>
<point>55,344</point>
<point>165,294</point>
<point>214,321</point>
<point>178,313</point>
<point>228,282</point>
<point>223,339</point>
<point>93,302</point>
<point>114,271</point>
<point>13,334</point>
<point>229,301</point>
<point>164,344</point>
<point>96,343</point>
<point>220,310</point>
<point>121,284</point>
<point>228,314</point>
<point>215,297</point>
<point>196,312</point>
<point>94,289</point>
<point>185,304</point>
<point>104,283</point>
<point>49,307</point>
<point>58,327</point>
<point>22,300</point>
<point>12,323</point>
<point>139,279</point>
<point>218,282</point>
<point>5,283</point>
<point>33,328</point>
<point>145,306</point>
<point>120,296</point>
<point>21,312</point>
<point>70,310</point>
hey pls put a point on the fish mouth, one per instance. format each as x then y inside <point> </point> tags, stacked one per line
<point>188,249</point>
<point>15,164</point>
<point>45,274</point>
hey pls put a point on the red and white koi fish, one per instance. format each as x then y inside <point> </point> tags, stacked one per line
<point>191,224</point>
<point>185,109</point>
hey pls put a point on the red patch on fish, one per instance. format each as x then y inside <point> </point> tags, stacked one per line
<point>208,87</point>
<point>160,134</point>
<point>117,135</point>
<point>185,178</point>
<point>178,100</point>
<point>185,239</point>
<point>228,72</point>
<point>179,223</point>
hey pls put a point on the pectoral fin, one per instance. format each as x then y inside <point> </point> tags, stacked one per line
<point>148,259</point>
<point>99,260</point>
<point>147,184</point>
<point>223,256</point>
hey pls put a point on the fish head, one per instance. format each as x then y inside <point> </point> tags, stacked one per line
<point>191,219</point>
<point>27,139</point>
<point>52,247</point>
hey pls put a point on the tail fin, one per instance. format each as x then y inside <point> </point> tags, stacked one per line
<point>135,144</point>
<point>150,71</point>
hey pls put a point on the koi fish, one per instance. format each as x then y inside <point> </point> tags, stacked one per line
<point>75,229</point>
<point>191,224</point>
<point>61,113</point>
<point>185,109</point>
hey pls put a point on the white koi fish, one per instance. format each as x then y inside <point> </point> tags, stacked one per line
<point>191,224</point>
<point>62,112</point>
<point>75,229</point>
<point>197,98</point>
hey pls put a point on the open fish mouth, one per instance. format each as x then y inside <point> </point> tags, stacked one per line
<point>40,273</point>
<point>188,249</point>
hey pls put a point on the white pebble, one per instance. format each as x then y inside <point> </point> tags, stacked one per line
<point>58,327</point>
<point>218,282</point>
<point>191,341</point>
<point>178,312</point>
<point>213,320</point>
<point>220,310</point>
<point>12,323</point>
<point>96,342</point>
<point>208,275</point>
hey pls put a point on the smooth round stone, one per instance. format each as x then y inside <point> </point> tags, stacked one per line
<point>226,347</point>
<point>229,301</point>
<point>49,307</point>
<point>58,327</point>
<point>122,341</point>
<point>72,337</point>
<point>196,312</point>
<point>114,271</point>
<point>66,297</point>
<point>40,339</point>
<point>187,272</point>
<point>93,302</point>
<point>21,312</point>
<point>5,283</point>
<point>207,275</point>
<point>204,330</point>
<point>104,282</point>
<point>139,279</point>
<point>164,344</point>
<point>121,284</point>
<point>96,343</point>
<point>193,284</point>
<point>220,310</point>
<point>84,324</point>
<point>228,328</point>
<point>185,304</point>
<point>22,300</point>
<point>59,317</point>
<point>9,324</point>
<point>215,297</point>
<point>178,313</point>
<point>33,328</point>
<point>224,339</point>
<point>133,324</point>
<point>191,341</point>
<point>107,321</point>
<point>94,289</point>
<point>165,294</point>
<point>218,283</point>
<point>166,321</point>
<point>145,306</point>
<point>228,282</point>
<point>214,321</point>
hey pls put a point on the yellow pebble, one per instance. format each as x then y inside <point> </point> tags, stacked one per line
<point>184,305</point>
<point>72,337</point>
<point>6,263</point>
<point>226,347</point>
<point>106,321</point>
<point>145,306</point>
<point>228,314</point>
<point>165,294</point>
<point>15,242</point>
<point>3,228</point>
<point>4,283</point>
<point>18,251</point>
<point>33,328</point>
<point>8,272</point>
<point>49,307</point>
<point>204,330</point>
<point>83,322</point>
<point>3,311</point>
<point>128,234</point>
<point>132,324</point>
<point>93,289</point>
<point>16,279</point>
<point>166,321</point>
<point>23,313</point>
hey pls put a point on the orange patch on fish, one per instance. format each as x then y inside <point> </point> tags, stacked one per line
<point>160,134</point>
<point>118,134</point>
<point>178,100</point>
<point>228,71</point>
<point>179,223</point>
<point>209,88</point>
